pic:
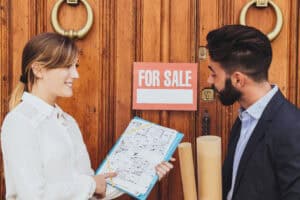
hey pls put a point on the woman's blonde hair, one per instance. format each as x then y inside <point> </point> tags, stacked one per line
<point>49,50</point>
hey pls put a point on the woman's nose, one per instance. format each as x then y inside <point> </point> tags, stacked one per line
<point>74,72</point>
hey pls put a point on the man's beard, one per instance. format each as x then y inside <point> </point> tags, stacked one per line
<point>229,95</point>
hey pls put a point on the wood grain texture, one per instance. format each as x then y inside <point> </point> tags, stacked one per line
<point>125,26</point>
<point>297,53</point>
<point>148,31</point>
<point>125,50</point>
<point>293,88</point>
<point>182,45</point>
<point>208,18</point>
<point>148,49</point>
<point>4,72</point>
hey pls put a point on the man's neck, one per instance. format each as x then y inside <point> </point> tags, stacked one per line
<point>253,93</point>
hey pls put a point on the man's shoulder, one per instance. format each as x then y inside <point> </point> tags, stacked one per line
<point>285,123</point>
<point>281,108</point>
<point>288,110</point>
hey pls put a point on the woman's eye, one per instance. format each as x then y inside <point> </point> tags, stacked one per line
<point>73,65</point>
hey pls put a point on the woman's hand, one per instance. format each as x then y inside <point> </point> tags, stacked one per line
<point>101,183</point>
<point>164,168</point>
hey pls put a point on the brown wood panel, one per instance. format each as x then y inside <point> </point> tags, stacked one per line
<point>150,42</point>
<point>298,55</point>
<point>41,18</point>
<point>149,30</point>
<point>20,27</point>
<point>292,51</point>
<point>124,56</point>
<point>106,101</point>
<point>148,49</point>
<point>209,18</point>
<point>4,72</point>
<point>4,55</point>
<point>182,49</point>
<point>125,41</point>
<point>297,50</point>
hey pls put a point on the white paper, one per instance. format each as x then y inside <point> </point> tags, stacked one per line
<point>142,146</point>
<point>167,96</point>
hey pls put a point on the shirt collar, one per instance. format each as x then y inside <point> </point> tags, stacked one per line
<point>256,109</point>
<point>38,103</point>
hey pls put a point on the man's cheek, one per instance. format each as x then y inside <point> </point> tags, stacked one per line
<point>214,88</point>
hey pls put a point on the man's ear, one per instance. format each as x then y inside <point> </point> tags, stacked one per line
<point>37,70</point>
<point>238,79</point>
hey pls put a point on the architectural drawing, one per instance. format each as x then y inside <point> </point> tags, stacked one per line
<point>141,147</point>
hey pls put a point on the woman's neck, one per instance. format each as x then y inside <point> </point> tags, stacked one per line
<point>44,95</point>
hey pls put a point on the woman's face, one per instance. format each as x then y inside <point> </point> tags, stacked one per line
<point>56,82</point>
<point>60,80</point>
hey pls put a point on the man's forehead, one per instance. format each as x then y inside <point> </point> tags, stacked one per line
<point>214,66</point>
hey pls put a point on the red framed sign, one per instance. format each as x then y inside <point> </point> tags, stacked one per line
<point>164,86</point>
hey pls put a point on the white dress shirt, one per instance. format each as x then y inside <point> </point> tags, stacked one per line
<point>44,155</point>
<point>249,119</point>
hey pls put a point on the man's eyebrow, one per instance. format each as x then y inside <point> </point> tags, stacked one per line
<point>211,69</point>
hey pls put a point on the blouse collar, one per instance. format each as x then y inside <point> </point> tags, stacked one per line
<point>38,103</point>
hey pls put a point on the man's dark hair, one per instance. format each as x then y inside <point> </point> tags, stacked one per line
<point>241,48</point>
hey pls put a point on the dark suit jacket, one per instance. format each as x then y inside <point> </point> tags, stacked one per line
<point>269,168</point>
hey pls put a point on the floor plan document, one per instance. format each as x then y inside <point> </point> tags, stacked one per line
<point>140,148</point>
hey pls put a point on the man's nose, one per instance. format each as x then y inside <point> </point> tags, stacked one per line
<point>210,80</point>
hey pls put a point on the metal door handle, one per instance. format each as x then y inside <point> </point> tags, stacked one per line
<point>72,33</point>
<point>264,3</point>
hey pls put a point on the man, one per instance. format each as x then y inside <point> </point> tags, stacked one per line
<point>263,159</point>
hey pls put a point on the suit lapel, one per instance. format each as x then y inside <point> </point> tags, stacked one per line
<point>258,133</point>
<point>227,167</point>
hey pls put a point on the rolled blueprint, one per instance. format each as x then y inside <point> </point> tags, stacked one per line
<point>209,168</point>
<point>187,171</point>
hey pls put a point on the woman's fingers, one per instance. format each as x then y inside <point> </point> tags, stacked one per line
<point>168,165</point>
<point>160,172</point>
<point>163,169</point>
<point>109,175</point>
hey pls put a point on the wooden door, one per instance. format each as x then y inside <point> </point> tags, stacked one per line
<point>125,31</point>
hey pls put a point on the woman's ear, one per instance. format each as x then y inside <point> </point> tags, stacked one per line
<point>37,70</point>
<point>238,79</point>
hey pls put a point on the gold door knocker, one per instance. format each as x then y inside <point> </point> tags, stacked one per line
<point>264,3</point>
<point>72,33</point>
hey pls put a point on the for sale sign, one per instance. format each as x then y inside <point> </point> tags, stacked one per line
<point>164,86</point>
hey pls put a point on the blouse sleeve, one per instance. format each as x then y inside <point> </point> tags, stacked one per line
<point>84,166</point>
<point>21,154</point>
<point>83,162</point>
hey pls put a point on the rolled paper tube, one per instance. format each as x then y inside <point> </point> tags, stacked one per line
<point>187,171</point>
<point>209,168</point>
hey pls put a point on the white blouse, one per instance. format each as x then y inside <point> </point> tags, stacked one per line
<point>44,155</point>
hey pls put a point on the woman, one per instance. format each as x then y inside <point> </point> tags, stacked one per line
<point>43,150</point>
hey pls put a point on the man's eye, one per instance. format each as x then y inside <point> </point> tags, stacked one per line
<point>76,65</point>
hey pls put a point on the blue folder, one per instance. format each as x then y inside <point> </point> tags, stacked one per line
<point>167,157</point>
